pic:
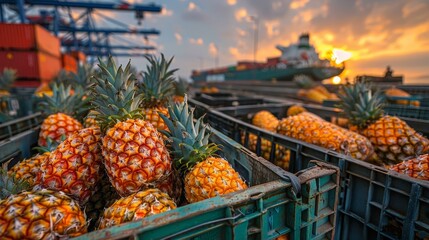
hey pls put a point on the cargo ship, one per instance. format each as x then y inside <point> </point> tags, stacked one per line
<point>297,59</point>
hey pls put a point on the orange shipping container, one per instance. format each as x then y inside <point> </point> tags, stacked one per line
<point>79,56</point>
<point>28,37</point>
<point>33,65</point>
<point>69,63</point>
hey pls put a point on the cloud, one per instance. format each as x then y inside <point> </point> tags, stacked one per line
<point>192,6</point>
<point>241,14</point>
<point>231,2</point>
<point>213,50</point>
<point>241,32</point>
<point>179,38</point>
<point>272,28</point>
<point>295,4</point>
<point>234,52</point>
<point>196,41</point>
<point>166,12</point>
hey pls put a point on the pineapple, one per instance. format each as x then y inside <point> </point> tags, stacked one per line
<point>295,110</point>
<point>266,120</point>
<point>206,175</point>
<point>43,214</point>
<point>394,141</point>
<point>10,184</point>
<point>181,88</point>
<point>136,206</point>
<point>416,167</point>
<point>157,89</point>
<point>308,128</point>
<point>28,169</point>
<point>74,166</point>
<point>62,106</point>
<point>43,89</point>
<point>134,153</point>
<point>7,78</point>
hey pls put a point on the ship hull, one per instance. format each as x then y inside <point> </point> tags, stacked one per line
<point>272,74</point>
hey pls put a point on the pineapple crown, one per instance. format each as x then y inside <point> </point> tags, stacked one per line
<point>361,104</point>
<point>51,145</point>
<point>189,140</point>
<point>9,184</point>
<point>181,87</point>
<point>7,78</point>
<point>114,94</point>
<point>64,77</point>
<point>157,86</point>
<point>64,101</point>
<point>83,76</point>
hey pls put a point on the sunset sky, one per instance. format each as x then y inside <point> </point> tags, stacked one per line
<point>377,32</point>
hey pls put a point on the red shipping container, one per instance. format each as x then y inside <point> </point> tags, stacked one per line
<point>28,37</point>
<point>34,65</point>
<point>69,63</point>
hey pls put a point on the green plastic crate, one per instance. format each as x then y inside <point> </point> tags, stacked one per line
<point>374,203</point>
<point>269,208</point>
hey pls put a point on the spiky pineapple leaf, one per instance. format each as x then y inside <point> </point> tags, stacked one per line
<point>189,140</point>
<point>114,94</point>
<point>361,104</point>
<point>157,86</point>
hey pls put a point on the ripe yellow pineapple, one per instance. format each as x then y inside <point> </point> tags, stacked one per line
<point>28,169</point>
<point>134,153</point>
<point>266,120</point>
<point>136,206</point>
<point>43,214</point>
<point>74,166</point>
<point>157,89</point>
<point>206,175</point>
<point>62,107</point>
<point>416,167</point>
<point>295,110</point>
<point>392,138</point>
<point>308,128</point>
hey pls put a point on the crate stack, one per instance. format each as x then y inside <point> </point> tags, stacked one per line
<point>32,51</point>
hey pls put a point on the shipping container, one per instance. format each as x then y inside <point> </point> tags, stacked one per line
<point>276,204</point>
<point>79,56</point>
<point>374,203</point>
<point>69,63</point>
<point>32,67</point>
<point>27,37</point>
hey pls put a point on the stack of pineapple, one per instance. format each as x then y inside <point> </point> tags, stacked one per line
<point>372,136</point>
<point>309,90</point>
<point>120,170</point>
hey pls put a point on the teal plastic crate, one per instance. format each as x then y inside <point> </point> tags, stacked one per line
<point>374,203</point>
<point>277,203</point>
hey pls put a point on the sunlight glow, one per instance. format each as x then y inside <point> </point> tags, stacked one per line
<point>336,80</point>
<point>340,56</point>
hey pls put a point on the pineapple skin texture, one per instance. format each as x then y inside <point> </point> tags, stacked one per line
<point>211,177</point>
<point>417,167</point>
<point>152,116</point>
<point>135,156</point>
<point>29,169</point>
<point>55,125</point>
<point>394,140</point>
<point>74,166</point>
<point>319,132</point>
<point>266,120</point>
<point>28,215</point>
<point>90,122</point>
<point>136,206</point>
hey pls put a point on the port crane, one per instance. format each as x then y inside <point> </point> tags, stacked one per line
<point>74,23</point>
